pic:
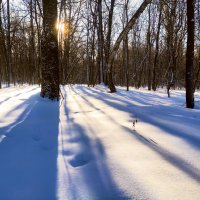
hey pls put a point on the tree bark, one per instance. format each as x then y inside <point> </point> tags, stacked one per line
<point>154,84</point>
<point>9,53</point>
<point>50,67</point>
<point>100,42</point>
<point>189,79</point>
<point>108,37</point>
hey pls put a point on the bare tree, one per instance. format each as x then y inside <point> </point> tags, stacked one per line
<point>155,64</point>
<point>50,68</point>
<point>189,78</point>
<point>122,35</point>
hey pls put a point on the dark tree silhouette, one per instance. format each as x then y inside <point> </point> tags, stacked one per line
<point>190,55</point>
<point>50,68</point>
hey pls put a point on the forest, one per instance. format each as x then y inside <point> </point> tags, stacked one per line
<point>99,99</point>
<point>110,42</point>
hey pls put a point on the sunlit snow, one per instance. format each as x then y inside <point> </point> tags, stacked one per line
<point>84,147</point>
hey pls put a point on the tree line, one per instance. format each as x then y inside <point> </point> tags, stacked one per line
<point>153,44</point>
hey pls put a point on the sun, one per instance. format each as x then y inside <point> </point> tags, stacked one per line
<point>60,26</point>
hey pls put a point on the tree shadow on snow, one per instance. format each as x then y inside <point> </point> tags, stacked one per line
<point>163,117</point>
<point>89,159</point>
<point>16,95</point>
<point>28,153</point>
<point>167,123</point>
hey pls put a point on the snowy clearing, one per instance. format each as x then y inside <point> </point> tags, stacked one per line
<point>85,148</point>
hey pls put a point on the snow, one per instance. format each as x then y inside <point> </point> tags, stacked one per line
<point>84,147</point>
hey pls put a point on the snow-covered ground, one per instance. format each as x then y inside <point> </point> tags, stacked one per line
<point>84,147</point>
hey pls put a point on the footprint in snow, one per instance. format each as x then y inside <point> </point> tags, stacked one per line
<point>36,138</point>
<point>67,152</point>
<point>80,160</point>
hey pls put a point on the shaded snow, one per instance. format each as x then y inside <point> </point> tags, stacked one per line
<point>85,147</point>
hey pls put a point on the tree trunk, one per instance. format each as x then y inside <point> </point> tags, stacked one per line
<point>100,42</point>
<point>108,38</point>
<point>126,48</point>
<point>122,35</point>
<point>50,68</point>
<point>189,80</point>
<point>32,58</point>
<point>154,84</point>
<point>9,53</point>
<point>149,49</point>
